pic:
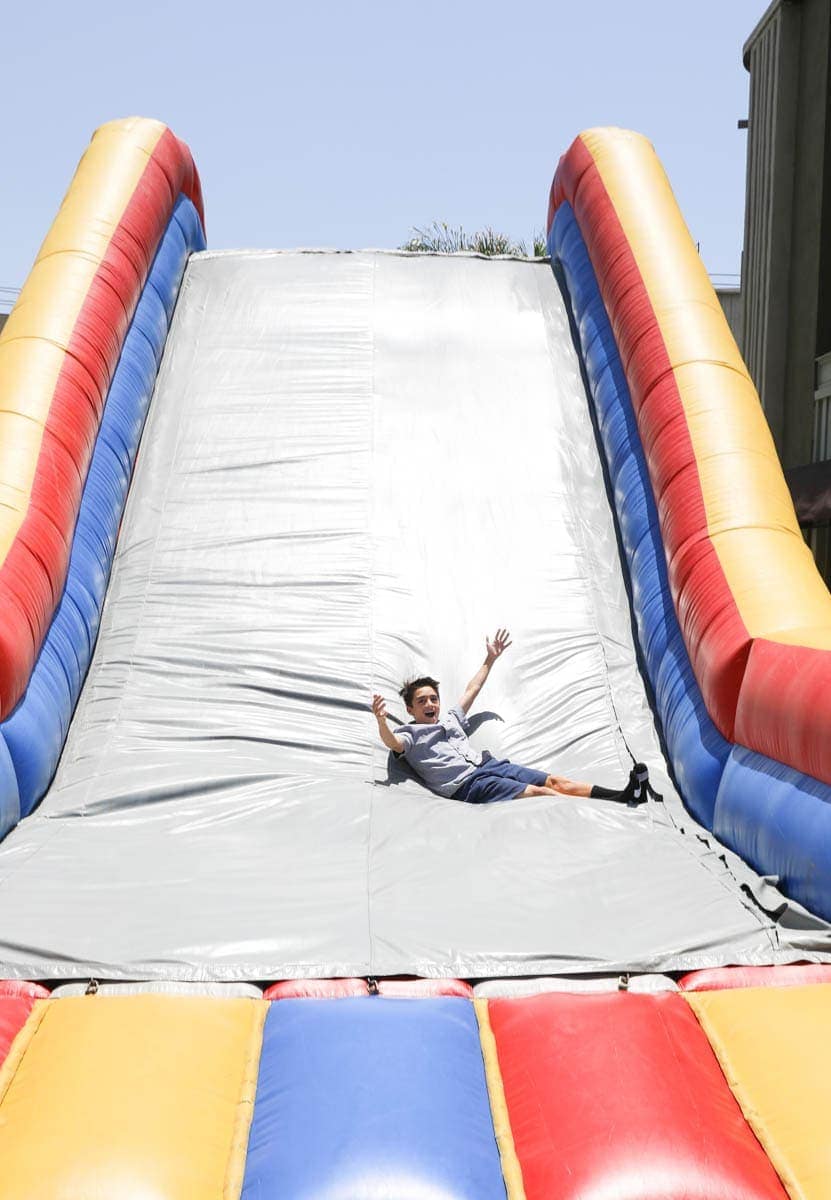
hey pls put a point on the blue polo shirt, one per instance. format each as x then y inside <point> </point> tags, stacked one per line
<point>441,754</point>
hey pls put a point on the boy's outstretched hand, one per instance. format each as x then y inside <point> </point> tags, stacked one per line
<point>497,645</point>
<point>389,739</point>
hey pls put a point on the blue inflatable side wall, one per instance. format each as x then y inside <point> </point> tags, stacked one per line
<point>779,821</point>
<point>776,818</point>
<point>32,737</point>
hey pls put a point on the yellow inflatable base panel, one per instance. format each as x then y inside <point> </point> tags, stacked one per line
<point>130,1098</point>
<point>774,1046</point>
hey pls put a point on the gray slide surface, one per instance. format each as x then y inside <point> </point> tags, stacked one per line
<point>357,465</point>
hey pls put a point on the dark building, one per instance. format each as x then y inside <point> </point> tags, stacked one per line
<point>730,299</point>
<point>786,267</point>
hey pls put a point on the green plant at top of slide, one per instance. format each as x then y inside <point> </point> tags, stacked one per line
<point>441,238</point>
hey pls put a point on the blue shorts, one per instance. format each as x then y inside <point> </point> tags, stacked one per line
<point>498,779</point>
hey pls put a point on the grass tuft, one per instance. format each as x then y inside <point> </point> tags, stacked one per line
<point>441,238</point>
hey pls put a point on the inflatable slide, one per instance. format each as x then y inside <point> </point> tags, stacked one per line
<point>248,954</point>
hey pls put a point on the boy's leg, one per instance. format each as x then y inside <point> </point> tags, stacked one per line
<point>531,782</point>
<point>503,780</point>
<point>537,783</point>
<point>534,783</point>
<point>635,791</point>
<point>568,787</point>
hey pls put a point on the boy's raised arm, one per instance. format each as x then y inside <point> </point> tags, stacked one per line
<point>495,646</point>
<point>389,739</point>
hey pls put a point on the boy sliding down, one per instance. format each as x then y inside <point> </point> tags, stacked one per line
<point>439,752</point>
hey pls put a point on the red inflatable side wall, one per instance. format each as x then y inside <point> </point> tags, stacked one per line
<point>33,573</point>
<point>715,635</point>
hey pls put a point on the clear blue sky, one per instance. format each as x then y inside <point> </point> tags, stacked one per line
<point>335,124</point>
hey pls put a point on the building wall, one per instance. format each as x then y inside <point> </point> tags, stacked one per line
<point>787,243</point>
<point>731,303</point>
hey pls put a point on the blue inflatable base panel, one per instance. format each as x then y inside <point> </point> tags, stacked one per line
<point>394,1089</point>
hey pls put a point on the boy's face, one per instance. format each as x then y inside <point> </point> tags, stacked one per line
<point>425,706</point>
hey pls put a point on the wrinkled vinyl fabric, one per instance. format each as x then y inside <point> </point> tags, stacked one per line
<point>355,466</point>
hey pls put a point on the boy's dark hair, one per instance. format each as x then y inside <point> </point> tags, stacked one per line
<point>410,688</point>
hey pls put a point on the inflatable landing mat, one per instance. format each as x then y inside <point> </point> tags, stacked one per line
<point>719,1089</point>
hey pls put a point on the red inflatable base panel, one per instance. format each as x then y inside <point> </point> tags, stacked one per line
<point>16,1002</point>
<point>716,979</point>
<point>620,1096</point>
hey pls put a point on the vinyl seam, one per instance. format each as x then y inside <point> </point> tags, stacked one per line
<point>167,348</point>
<point>238,1152</point>
<point>580,535</point>
<point>20,1045</point>
<point>511,1167</point>
<point>371,606</point>
<point>776,1157</point>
